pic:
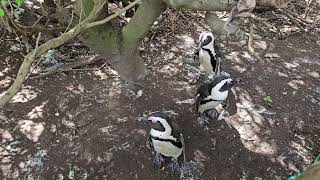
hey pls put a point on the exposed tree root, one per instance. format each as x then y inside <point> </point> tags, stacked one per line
<point>66,67</point>
<point>250,41</point>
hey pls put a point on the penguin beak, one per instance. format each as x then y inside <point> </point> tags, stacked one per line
<point>142,119</point>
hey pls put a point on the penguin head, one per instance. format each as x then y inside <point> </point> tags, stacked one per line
<point>206,39</point>
<point>224,83</point>
<point>158,121</point>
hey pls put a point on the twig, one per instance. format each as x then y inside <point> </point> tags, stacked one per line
<point>308,9</point>
<point>72,15</point>
<point>34,55</point>
<point>56,42</point>
<point>35,23</point>
<point>96,23</point>
<point>66,67</point>
<point>5,31</point>
<point>250,40</point>
<point>99,116</point>
<point>293,19</point>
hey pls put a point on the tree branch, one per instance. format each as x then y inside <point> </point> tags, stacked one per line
<point>89,25</point>
<point>202,5</point>
<point>53,43</point>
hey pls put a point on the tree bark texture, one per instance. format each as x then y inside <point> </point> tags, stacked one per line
<point>119,46</point>
<point>221,5</point>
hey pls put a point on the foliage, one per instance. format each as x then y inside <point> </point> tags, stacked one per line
<point>268,99</point>
<point>243,177</point>
<point>16,5</point>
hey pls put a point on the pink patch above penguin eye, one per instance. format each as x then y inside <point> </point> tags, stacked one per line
<point>152,119</point>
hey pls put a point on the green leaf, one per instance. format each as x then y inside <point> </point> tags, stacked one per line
<point>243,177</point>
<point>18,2</point>
<point>1,12</point>
<point>3,3</point>
<point>268,99</point>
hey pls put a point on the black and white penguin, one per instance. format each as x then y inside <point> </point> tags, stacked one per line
<point>210,95</point>
<point>165,138</point>
<point>209,54</point>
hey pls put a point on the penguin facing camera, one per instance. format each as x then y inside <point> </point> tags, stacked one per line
<point>165,139</point>
<point>209,56</point>
<point>211,95</point>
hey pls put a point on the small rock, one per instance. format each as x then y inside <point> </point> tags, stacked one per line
<point>124,119</point>
<point>187,101</point>
<point>271,55</point>
<point>139,93</point>
<point>291,65</point>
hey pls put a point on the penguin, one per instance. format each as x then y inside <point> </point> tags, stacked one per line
<point>212,94</point>
<point>165,139</point>
<point>209,55</point>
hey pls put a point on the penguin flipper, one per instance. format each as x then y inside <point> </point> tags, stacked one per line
<point>183,148</point>
<point>149,142</point>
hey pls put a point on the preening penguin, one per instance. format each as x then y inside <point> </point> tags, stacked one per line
<point>165,139</point>
<point>210,95</point>
<point>209,54</point>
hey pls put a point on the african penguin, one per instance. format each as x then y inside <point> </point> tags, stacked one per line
<point>165,139</point>
<point>209,54</point>
<point>210,95</point>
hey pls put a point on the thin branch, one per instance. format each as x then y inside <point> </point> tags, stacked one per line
<point>34,54</point>
<point>72,16</point>
<point>39,19</point>
<point>293,19</point>
<point>66,67</point>
<point>250,40</point>
<point>96,23</point>
<point>56,42</point>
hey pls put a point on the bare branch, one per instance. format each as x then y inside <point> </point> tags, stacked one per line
<point>56,42</point>
<point>90,25</point>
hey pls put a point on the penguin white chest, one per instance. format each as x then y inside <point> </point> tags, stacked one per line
<point>217,95</point>
<point>208,105</point>
<point>166,148</point>
<point>205,62</point>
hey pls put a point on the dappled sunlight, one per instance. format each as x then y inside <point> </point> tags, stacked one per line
<point>314,74</point>
<point>76,89</point>
<point>8,151</point>
<point>239,68</point>
<point>234,57</point>
<point>260,44</point>
<point>296,83</point>
<point>101,75</point>
<point>30,129</point>
<point>4,83</point>
<point>247,56</point>
<point>251,125</point>
<point>37,112</point>
<point>187,42</point>
<point>169,69</point>
<point>281,74</point>
<point>26,94</point>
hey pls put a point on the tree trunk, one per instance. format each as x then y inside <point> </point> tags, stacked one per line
<point>118,46</point>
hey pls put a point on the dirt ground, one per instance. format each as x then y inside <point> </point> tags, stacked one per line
<point>81,124</point>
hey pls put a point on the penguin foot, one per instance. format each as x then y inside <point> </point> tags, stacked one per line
<point>203,120</point>
<point>224,114</point>
<point>194,79</point>
<point>174,166</point>
<point>212,113</point>
<point>158,160</point>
